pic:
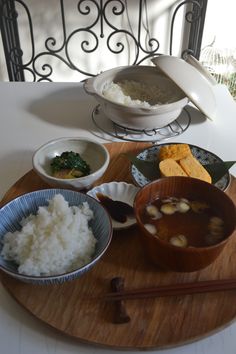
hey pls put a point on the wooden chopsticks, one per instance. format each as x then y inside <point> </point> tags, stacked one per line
<point>173,290</point>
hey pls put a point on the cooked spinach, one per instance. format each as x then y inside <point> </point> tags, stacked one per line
<point>70,160</point>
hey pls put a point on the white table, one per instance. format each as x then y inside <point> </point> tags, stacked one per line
<point>33,113</point>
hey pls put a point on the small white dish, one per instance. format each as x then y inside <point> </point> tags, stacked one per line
<point>117,191</point>
<point>191,77</point>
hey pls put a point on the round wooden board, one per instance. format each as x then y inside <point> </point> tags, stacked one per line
<point>75,309</point>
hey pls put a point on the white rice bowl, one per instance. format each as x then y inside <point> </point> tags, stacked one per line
<point>56,239</point>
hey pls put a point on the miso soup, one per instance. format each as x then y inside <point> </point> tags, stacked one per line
<point>184,223</point>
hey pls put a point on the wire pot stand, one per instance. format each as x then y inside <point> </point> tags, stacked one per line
<point>155,136</point>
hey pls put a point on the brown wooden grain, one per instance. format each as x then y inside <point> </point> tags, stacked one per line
<point>73,309</point>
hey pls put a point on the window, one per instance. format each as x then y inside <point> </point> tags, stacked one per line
<point>218,51</point>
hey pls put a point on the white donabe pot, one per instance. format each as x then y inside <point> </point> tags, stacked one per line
<point>137,117</point>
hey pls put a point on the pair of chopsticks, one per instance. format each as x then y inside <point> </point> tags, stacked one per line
<point>173,290</point>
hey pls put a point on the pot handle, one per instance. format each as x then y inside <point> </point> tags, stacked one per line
<point>89,86</point>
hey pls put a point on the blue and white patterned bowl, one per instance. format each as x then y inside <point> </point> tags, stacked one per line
<point>202,155</point>
<point>12,213</point>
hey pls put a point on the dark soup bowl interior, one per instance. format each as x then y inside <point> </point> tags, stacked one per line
<point>202,242</point>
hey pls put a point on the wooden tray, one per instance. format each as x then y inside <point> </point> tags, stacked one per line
<point>155,323</point>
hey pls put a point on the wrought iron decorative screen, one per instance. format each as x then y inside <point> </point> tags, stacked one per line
<point>100,29</point>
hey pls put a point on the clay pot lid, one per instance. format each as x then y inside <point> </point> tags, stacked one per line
<point>193,79</point>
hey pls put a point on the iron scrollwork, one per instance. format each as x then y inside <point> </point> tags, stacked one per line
<point>94,31</point>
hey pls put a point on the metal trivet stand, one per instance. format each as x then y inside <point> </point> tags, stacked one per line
<point>154,136</point>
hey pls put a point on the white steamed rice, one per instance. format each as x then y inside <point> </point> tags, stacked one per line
<point>132,93</point>
<point>54,241</point>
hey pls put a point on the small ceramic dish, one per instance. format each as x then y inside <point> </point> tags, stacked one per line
<point>91,151</point>
<point>117,191</point>
<point>203,156</point>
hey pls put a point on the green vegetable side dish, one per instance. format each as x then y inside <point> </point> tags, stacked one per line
<point>69,165</point>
